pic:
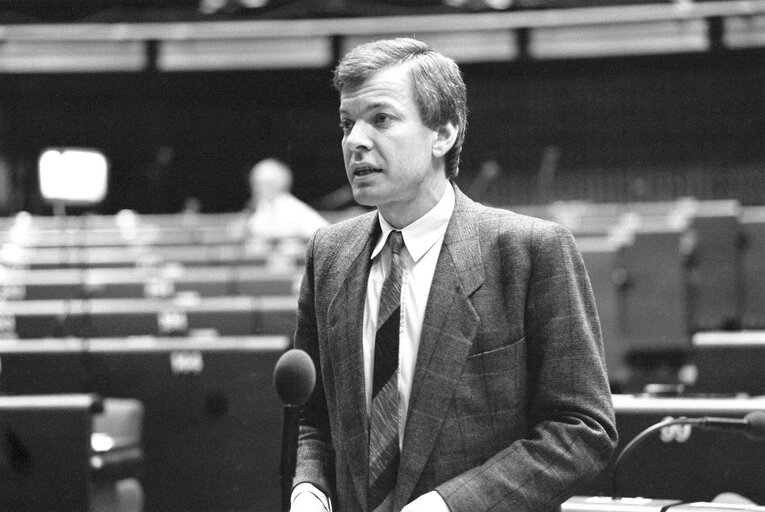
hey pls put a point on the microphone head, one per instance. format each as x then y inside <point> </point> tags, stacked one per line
<point>756,426</point>
<point>294,377</point>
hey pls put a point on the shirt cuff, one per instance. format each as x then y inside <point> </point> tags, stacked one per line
<point>311,489</point>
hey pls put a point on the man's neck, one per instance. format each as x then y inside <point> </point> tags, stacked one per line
<point>400,217</point>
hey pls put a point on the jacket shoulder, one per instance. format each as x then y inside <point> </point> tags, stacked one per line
<point>342,230</point>
<point>504,221</point>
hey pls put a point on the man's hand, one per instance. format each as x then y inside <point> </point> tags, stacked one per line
<point>307,502</point>
<point>428,502</point>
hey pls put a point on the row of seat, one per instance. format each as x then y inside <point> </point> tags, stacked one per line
<point>225,316</point>
<point>186,320</point>
<point>659,277</point>
<point>660,271</point>
<point>141,256</point>
<point>128,228</point>
<point>161,282</point>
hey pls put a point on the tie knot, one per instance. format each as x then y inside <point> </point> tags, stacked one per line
<point>396,241</point>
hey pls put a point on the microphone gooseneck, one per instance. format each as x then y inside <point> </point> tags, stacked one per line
<point>753,425</point>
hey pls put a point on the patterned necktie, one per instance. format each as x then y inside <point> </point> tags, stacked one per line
<point>383,418</point>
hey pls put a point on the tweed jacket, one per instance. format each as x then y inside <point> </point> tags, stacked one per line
<point>510,407</point>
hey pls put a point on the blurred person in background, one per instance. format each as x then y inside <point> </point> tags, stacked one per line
<point>274,213</point>
<point>275,222</point>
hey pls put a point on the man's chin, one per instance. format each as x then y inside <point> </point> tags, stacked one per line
<point>364,197</point>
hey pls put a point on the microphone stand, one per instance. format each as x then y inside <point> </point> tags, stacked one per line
<point>294,380</point>
<point>289,452</point>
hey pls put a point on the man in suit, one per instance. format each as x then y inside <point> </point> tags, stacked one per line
<point>499,397</point>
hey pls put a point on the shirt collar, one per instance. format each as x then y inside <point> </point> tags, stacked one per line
<point>422,234</point>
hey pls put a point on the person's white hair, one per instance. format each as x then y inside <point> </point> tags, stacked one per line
<point>275,173</point>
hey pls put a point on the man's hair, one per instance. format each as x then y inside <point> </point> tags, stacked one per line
<point>439,91</point>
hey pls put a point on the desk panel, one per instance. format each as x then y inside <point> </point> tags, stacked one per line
<point>226,316</point>
<point>212,421</point>
<point>131,282</point>
<point>46,453</point>
<point>680,462</point>
<point>752,260</point>
<point>730,362</point>
<point>149,257</point>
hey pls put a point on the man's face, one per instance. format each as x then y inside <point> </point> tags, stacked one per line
<point>388,151</point>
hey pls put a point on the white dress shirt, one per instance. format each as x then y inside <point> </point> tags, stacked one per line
<point>422,241</point>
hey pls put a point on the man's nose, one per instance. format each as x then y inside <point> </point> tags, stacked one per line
<point>357,138</point>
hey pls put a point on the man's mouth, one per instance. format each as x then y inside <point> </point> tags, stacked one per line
<point>365,171</point>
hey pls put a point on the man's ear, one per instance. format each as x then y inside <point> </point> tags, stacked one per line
<point>446,135</point>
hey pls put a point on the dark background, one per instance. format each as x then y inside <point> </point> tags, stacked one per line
<point>695,121</point>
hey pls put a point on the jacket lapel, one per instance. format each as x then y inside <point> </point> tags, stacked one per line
<point>344,335</point>
<point>448,330</point>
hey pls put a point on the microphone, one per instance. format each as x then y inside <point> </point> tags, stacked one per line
<point>294,380</point>
<point>294,377</point>
<point>753,424</point>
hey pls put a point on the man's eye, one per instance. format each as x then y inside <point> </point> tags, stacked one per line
<point>346,125</point>
<point>382,118</point>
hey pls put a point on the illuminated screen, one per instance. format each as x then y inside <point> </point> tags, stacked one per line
<point>73,175</point>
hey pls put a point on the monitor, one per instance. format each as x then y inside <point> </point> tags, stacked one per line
<point>75,176</point>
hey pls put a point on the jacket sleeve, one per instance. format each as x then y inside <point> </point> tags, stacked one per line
<point>315,457</point>
<point>571,434</point>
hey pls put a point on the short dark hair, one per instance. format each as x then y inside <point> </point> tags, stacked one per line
<point>439,90</point>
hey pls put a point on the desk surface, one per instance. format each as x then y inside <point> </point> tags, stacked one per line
<point>190,303</point>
